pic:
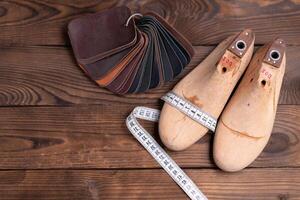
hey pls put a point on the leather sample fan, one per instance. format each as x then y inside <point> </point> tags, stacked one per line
<point>127,54</point>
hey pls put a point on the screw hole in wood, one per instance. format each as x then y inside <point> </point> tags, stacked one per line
<point>224,69</point>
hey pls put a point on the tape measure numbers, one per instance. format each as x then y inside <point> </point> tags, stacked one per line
<point>158,153</point>
<point>191,110</point>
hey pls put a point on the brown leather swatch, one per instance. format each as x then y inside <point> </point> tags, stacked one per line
<point>100,40</point>
<point>128,57</point>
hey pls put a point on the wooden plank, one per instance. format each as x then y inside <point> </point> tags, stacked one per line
<point>264,184</point>
<point>202,22</point>
<point>93,137</point>
<point>50,76</point>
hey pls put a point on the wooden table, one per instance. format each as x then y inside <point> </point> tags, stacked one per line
<point>59,140</point>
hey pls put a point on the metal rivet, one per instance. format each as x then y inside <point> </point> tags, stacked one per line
<point>240,45</point>
<point>275,55</point>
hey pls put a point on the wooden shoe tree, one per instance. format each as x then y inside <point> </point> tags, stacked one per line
<point>208,86</point>
<point>245,125</point>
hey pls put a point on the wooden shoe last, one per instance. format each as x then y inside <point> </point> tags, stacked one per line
<point>208,87</point>
<point>245,125</point>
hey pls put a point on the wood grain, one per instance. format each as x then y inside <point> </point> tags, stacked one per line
<point>93,137</point>
<point>264,184</point>
<point>59,139</point>
<point>37,22</point>
<point>50,76</point>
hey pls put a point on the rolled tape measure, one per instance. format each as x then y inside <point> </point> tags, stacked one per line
<point>157,152</point>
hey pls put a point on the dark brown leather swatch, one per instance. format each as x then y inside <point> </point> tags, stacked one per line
<point>128,58</point>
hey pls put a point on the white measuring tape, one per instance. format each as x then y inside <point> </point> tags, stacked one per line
<point>191,110</point>
<point>158,153</point>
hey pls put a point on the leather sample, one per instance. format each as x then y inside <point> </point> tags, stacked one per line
<point>128,56</point>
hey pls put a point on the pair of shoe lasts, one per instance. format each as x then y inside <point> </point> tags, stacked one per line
<point>246,122</point>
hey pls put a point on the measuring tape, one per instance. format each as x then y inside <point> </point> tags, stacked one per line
<point>191,110</point>
<point>157,151</point>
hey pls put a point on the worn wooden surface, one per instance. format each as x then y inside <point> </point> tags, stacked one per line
<point>148,184</point>
<point>58,139</point>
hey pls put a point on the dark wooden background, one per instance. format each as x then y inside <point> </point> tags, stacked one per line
<point>58,139</point>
